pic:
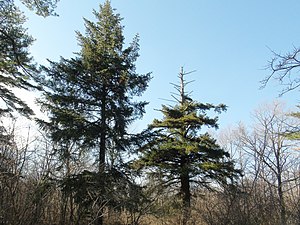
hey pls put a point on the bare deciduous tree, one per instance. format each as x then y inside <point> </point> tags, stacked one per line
<point>273,154</point>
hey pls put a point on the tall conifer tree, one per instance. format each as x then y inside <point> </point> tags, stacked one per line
<point>90,98</point>
<point>176,149</point>
<point>93,98</point>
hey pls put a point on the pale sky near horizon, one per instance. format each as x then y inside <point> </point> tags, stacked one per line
<point>227,42</point>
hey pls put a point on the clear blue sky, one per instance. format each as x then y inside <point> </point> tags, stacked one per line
<point>226,42</point>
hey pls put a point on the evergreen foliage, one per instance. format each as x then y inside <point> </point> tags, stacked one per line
<point>91,100</point>
<point>179,153</point>
<point>119,192</point>
<point>293,132</point>
<point>42,7</point>
<point>16,65</point>
<point>17,69</point>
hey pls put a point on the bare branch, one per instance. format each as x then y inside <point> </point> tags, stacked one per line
<point>285,69</point>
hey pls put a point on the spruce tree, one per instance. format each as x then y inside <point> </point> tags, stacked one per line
<point>176,149</point>
<point>91,99</point>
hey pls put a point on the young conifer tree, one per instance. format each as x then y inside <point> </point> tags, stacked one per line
<point>176,149</point>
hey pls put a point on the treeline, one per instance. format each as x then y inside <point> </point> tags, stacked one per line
<point>81,165</point>
<point>35,186</point>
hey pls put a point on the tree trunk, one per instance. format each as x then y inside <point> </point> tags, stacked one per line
<point>102,149</point>
<point>102,146</point>
<point>282,206</point>
<point>281,201</point>
<point>280,193</point>
<point>185,192</point>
